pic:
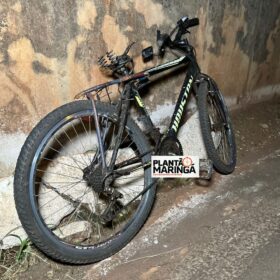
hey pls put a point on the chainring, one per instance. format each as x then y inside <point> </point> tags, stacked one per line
<point>170,146</point>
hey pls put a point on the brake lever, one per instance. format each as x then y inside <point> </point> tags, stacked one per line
<point>128,48</point>
<point>161,40</point>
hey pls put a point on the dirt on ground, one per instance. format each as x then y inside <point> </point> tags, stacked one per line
<point>257,130</point>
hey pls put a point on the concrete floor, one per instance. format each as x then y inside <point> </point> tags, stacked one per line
<point>227,229</point>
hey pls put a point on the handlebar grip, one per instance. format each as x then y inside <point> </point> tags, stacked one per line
<point>192,22</point>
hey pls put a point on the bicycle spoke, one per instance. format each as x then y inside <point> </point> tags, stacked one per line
<point>77,206</point>
<point>75,160</point>
<point>73,145</point>
<point>75,201</point>
<point>80,141</point>
<point>60,187</point>
<point>59,174</point>
<point>45,184</point>
<point>58,182</point>
<point>67,204</point>
<point>53,160</point>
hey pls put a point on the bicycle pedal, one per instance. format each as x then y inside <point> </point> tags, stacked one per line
<point>205,168</point>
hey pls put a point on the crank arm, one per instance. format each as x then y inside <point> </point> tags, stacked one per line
<point>127,171</point>
<point>131,160</point>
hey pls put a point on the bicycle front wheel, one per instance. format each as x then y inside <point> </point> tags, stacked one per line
<point>216,126</point>
<point>58,207</point>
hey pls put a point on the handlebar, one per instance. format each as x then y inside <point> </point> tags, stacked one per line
<point>123,64</point>
<point>185,23</point>
<point>192,22</point>
<point>164,40</point>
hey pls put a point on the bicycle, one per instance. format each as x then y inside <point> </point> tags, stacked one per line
<point>83,185</point>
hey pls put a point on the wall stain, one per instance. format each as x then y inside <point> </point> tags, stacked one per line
<point>38,68</point>
<point>50,25</point>
<point>26,97</point>
<point>86,14</point>
<point>216,17</point>
<point>49,49</point>
<point>261,17</point>
<point>15,117</point>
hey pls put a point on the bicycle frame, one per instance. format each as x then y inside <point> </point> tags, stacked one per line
<point>137,81</point>
<point>192,72</point>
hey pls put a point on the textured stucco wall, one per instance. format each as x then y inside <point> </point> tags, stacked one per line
<point>49,48</point>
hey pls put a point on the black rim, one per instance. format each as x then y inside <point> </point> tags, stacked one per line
<point>48,157</point>
<point>220,127</point>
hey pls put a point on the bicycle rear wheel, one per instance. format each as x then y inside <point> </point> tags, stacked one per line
<point>58,207</point>
<point>216,126</point>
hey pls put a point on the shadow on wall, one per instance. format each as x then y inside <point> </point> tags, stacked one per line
<point>49,49</point>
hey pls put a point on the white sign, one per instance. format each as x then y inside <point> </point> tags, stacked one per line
<point>175,166</point>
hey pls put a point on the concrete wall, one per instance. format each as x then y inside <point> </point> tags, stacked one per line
<point>49,49</point>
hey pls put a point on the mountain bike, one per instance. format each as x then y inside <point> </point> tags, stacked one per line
<point>83,185</point>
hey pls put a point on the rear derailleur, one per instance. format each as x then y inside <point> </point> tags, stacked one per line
<point>114,205</point>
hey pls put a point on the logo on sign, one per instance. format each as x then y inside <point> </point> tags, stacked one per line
<point>175,166</point>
